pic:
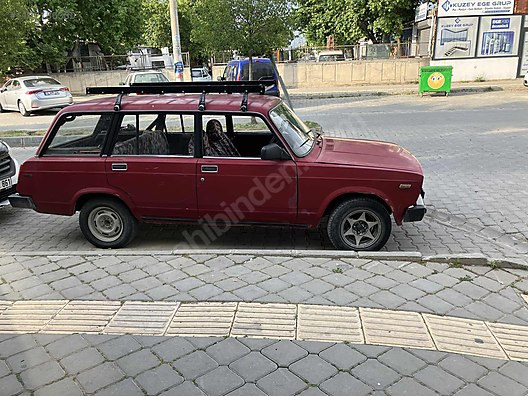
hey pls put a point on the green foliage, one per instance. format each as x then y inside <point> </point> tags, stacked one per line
<point>351,20</point>
<point>251,27</point>
<point>13,27</point>
<point>43,31</point>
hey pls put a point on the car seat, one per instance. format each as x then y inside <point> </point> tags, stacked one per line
<point>220,144</point>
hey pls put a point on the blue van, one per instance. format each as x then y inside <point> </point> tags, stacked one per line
<point>263,70</point>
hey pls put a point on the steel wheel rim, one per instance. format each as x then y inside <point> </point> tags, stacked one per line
<point>105,224</point>
<point>361,229</point>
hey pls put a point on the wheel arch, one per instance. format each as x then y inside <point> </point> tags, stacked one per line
<point>336,201</point>
<point>88,196</point>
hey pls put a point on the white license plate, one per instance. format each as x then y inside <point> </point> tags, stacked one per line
<point>51,93</point>
<point>5,184</point>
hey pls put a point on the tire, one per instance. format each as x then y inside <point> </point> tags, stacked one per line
<point>22,109</point>
<point>1,108</point>
<point>361,218</point>
<point>107,223</point>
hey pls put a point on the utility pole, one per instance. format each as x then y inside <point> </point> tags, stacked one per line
<point>176,45</point>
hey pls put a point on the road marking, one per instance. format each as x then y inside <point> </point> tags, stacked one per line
<point>265,320</point>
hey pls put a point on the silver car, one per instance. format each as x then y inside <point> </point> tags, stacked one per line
<point>33,93</point>
<point>145,77</point>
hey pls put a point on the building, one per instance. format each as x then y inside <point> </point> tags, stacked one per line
<point>481,39</point>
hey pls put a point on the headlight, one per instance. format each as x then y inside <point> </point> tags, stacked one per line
<point>4,148</point>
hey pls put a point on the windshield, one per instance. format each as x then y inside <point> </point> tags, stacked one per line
<point>40,82</point>
<point>151,78</point>
<point>299,137</point>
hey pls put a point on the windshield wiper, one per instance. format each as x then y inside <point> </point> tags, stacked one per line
<point>306,141</point>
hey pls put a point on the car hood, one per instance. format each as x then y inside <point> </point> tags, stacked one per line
<point>368,153</point>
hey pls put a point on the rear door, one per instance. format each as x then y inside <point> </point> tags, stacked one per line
<point>151,165</point>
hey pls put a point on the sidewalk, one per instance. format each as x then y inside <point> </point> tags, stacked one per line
<point>403,89</point>
<point>259,324</point>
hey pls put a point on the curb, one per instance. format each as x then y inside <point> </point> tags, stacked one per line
<point>23,141</point>
<point>470,259</point>
<point>410,91</point>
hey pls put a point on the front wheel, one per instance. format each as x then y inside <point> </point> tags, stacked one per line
<point>359,224</point>
<point>22,109</point>
<point>107,223</point>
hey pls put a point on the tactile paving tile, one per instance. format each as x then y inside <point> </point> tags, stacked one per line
<point>265,321</point>
<point>465,336</point>
<point>512,338</point>
<point>83,317</point>
<point>4,305</point>
<point>328,323</point>
<point>142,318</point>
<point>395,328</point>
<point>29,316</point>
<point>203,319</point>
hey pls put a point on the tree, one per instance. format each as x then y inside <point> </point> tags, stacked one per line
<point>351,20</point>
<point>156,30</point>
<point>251,27</point>
<point>13,27</point>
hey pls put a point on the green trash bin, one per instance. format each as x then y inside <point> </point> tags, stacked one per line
<point>435,79</point>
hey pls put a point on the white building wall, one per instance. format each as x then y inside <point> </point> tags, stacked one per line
<point>486,68</point>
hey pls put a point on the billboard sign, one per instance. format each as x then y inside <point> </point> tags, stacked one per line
<point>448,8</point>
<point>456,37</point>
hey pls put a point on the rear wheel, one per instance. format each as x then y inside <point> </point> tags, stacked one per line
<point>359,224</point>
<point>22,109</point>
<point>107,223</point>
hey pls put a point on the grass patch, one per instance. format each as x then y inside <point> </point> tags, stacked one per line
<point>337,270</point>
<point>21,133</point>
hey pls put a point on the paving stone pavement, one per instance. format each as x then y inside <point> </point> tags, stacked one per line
<point>145,365</point>
<point>44,364</point>
<point>24,230</point>
<point>472,292</point>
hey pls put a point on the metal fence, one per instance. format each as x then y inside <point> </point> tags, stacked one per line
<point>338,53</point>
<point>118,62</point>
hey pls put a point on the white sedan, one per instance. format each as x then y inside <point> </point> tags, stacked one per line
<point>33,93</point>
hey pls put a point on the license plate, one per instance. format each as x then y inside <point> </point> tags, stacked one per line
<point>51,93</point>
<point>5,184</point>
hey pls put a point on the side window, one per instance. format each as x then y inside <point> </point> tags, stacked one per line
<point>16,84</point>
<point>235,136</point>
<point>154,134</point>
<point>82,135</point>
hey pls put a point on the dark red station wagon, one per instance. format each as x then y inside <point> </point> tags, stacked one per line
<point>219,154</point>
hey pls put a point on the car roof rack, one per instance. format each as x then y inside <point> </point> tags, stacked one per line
<point>228,87</point>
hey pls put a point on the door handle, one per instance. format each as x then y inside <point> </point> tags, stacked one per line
<point>119,167</point>
<point>209,168</point>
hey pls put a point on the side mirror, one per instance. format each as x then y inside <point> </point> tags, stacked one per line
<point>274,152</point>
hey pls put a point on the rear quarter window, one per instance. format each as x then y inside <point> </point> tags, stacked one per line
<point>79,135</point>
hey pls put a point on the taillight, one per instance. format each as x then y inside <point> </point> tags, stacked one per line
<point>64,89</point>
<point>34,92</point>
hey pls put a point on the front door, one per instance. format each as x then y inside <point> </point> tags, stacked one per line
<point>234,184</point>
<point>150,163</point>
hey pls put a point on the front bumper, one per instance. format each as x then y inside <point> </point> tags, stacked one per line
<point>18,201</point>
<point>417,211</point>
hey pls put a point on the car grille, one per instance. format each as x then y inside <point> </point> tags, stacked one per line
<point>7,167</point>
<point>6,193</point>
